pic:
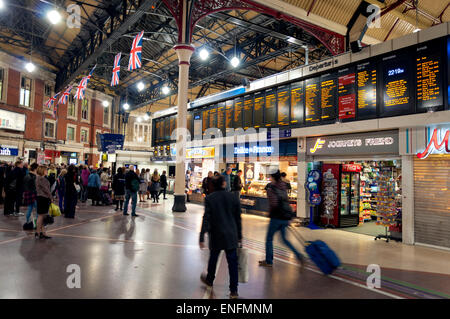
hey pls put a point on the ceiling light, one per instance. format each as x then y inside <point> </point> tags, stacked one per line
<point>204,54</point>
<point>53,16</point>
<point>2,4</point>
<point>126,106</point>
<point>30,67</point>
<point>234,62</point>
<point>146,117</point>
<point>416,30</point>
<point>165,89</point>
<point>139,119</point>
<point>140,86</point>
<point>105,104</point>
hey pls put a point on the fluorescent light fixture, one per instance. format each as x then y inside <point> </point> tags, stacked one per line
<point>140,86</point>
<point>146,117</point>
<point>126,106</point>
<point>204,54</point>
<point>105,104</point>
<point>30,67</point>
<point>165,89</point>
<point>417,30</point>
<point>53,16</point>
<point>2,4</point>
<point>139,119</point>
<point>234,62</point>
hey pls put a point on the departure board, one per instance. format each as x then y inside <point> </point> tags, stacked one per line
<point>168,127</point>
<point>258,112</point>
<point>198,123</point>
<point>173,125</point>
<point>205,120</point>
<point>366,79</point>
<point>347,94</point>
<point>229,106</point>
<point>429,80</point>
<point>248,111</point>
<point>238,106</point>
<point>328,94</point>
<point>213,116</point>
<point>396,85</point>
<point>162,133</point>
<point>283,101</point>
<point>270,108</point>
<point>312,100</point>
<point>221,117</point>
<point>157,134</point>
<point>297,103</point>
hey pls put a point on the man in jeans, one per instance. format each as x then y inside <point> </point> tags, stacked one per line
<point>131,188</point>
<point>222,222</point>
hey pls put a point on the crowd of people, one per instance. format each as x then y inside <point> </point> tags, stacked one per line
<point>37,186</point>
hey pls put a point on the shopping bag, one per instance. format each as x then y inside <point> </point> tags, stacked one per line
<point>243,264</point>
<point>54,210</point>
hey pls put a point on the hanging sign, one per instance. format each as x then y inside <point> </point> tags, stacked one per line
<point>434,147</point>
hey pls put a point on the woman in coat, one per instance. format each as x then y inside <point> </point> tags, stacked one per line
<point>142,186</point>
<point>94,188</point>
<point>154,188</point>
<point>118,186</point>
<point>29,190</point>
<point>71,195</point>
<point>44,199</point>
<point>163,181</point>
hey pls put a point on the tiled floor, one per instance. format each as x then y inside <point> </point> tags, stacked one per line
<point>156,255</point>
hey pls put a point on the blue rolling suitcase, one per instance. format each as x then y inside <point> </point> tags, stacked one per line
<point>322,255</point>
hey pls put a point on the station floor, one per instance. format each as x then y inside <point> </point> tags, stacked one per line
<point>156,255</point>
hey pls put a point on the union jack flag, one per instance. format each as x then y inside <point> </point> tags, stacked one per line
<point>49,103</point>
<point>90,74</point>
<point>65,95</point>
<point>136,52</point>
<point>79,95</point>
<point>116,70</point>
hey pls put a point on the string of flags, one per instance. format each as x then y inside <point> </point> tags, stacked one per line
<point>134,63</point>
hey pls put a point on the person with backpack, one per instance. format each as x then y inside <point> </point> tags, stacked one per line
<point>29,190</point>
<point>118,187</point>
<point>61,187</point>
<point>222,222</point>
<point>132,182</point>
<point>280,213</point>
<point>154,188</point>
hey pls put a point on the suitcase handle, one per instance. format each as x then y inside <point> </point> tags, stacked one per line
<point>298,236</point>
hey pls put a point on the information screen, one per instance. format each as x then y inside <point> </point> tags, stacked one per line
<point>297,102</point>
<point>328,97</point>
<point>248,111</point>
<point>366,78</point>
<point>396,86</point>
<point>157,136</point>
<point>258,113</point>
<point>312,101</point>
<point>271,108</point>
<point>429,79</point>
<point>229,106</point>
<point>221,117</point>
<point>164,124</point>
<point>213,116</point>
<point>238,106</point>
<point>347,94</point>
<point>205,120</point>
<point>173,121</point>
<point>198,123</point>
<point>283,100</point>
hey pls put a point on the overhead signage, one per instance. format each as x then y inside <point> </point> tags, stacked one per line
<point>7,151</point>
<point>111,142</point>
<point>385,142</point>
<point>12,121</point>
<point>438,143</point>
<point>216,97</point>
<point>200,152</point>
<point>253,150</point>
<point>356,168</point>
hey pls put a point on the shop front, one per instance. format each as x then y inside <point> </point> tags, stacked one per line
<point>8,153</point>
<point>163,159</point>
<point>69,158</point>
<point>360,182</point>
<point>199,161</point>
<point>50,156</point>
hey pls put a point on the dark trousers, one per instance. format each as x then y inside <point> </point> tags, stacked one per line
<point>232,260</point>
<point>119,202</point>
<point>163,191</point>
<point>18,202</point>
<point>70,203</point>
<point>10,200</point>
<point>1,192</point>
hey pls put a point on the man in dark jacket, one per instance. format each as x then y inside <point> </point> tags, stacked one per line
<point>279,221</point>
<point>132,182</point>
<point>163,181</point>
<point>14,190</point>
<point>237,184</point>
<point>222,222</point>
<point>207,184</point>
<point>2,180</point>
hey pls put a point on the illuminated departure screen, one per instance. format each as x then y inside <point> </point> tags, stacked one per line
<point>248,111</point>
<point>205,120</point>
<point>429,79</point>
<point>170,129</point>
<point>189,123</point>
<point>366,79</point>
<point>198,123</point>
<point>237,122</point>
<point>347,94</point>
<point>221,117</point>
<point>157,136</point>
<point>283,105</point>
<point>258,113</point>
<point>396,86</point>
<point>312,100</point>
<point>297,103</point>
<point>164,124</point>
<point>229,115</point>
<point>270,108</point>
<point>213,116</point>
<point>328,94</point>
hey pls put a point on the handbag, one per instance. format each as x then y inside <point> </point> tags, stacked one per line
<point>242,264</point>
<point>48,220</point>
<point>77,187</point>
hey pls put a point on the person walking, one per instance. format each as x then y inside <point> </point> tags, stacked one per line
<point>29,190</point>
<point>52,175</point>
<point>61,187</point>
<point>227,176</point>
<point>84,183</point>
<point>44,199</point>
<point>163,184</point>
<point>118,187</point>
<point>280,215</point>
<point>71,195</point>
<point>94,188</point>
<point>237,184</point>
<point>148,177</point>
<point>131,188</point>
<point>222,222</point>
<point>207,184</point>
<point>143,186</point>
<point>104,188</point>
<point>154,190</point>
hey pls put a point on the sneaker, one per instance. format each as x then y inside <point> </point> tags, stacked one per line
<point>234,295</point>
<point>263,263</point>
<point>205,281</point>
